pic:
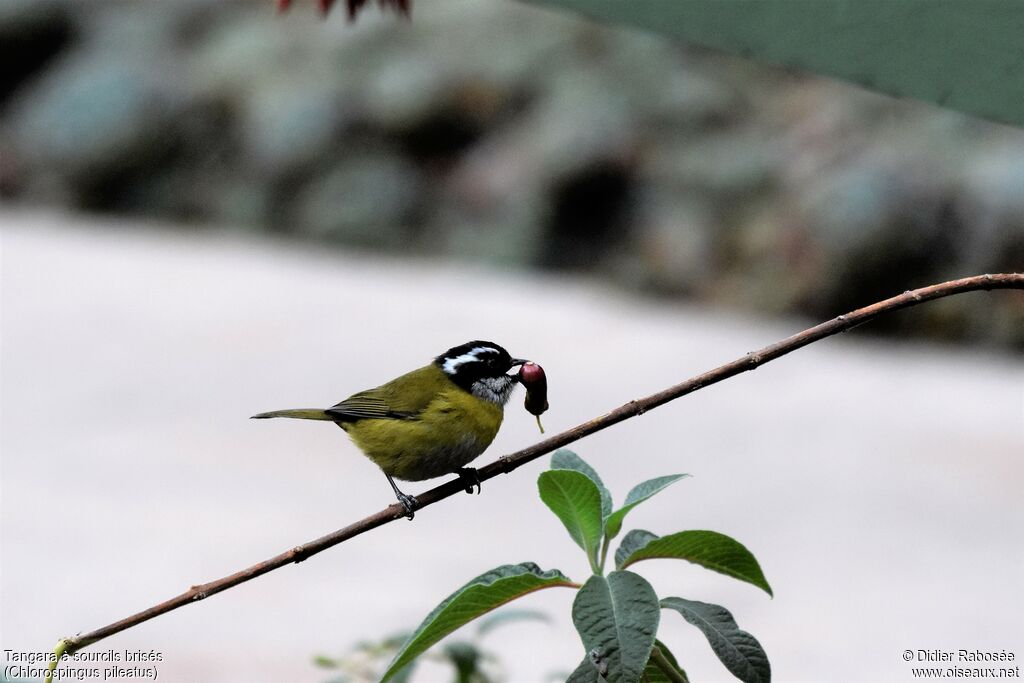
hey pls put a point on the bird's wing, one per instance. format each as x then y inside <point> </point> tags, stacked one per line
<point>366,405</point>
<point>402,398</point>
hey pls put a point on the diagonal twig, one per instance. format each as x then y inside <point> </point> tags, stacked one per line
<point>507,463</point>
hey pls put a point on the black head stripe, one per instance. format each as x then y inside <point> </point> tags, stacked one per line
<point>481,350</point>
<point>474,360</point>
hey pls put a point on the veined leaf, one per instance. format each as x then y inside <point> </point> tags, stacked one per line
<point>709,549</point>
<point>653,673</point>
<point>484,593</point>
<point>564,459</point>
<point>586,672</point>
<point>739,651</point>
<point>574,498</point>
<point>639,493</point>
<point>632,542</point>
<point>617,618</point>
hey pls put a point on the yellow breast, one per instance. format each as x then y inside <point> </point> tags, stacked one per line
<point>449,433</point>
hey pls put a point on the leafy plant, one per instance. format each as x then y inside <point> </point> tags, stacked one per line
<point>467,658</point>
<point>616,614</point>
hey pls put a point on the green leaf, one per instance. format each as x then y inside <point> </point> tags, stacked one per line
<point>574,498</point>
<point>709,549</point>
<point>481,595</point>
<point>653,673</point>
<point>404,675</point>
<point>323,662</point>
<point>639,493</point>
<point>564,459</point>
<point>586,672</point>
<point>617,618</point>
<point>465,658</point>
<point>739,651</point>
<point>632,542</point>
<point>961,55</point>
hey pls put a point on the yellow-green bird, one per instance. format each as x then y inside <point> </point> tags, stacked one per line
<point>431,421</point>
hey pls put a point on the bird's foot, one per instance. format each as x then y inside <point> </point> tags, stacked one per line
<point>409,503</point>
<point>470,478</point>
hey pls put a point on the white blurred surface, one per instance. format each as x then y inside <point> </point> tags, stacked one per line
<point>879,484</point>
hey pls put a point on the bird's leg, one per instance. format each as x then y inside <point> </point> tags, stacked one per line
<point>408,502</point>
<point>470,478</point>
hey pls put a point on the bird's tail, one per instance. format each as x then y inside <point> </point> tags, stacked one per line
<point>300,413</point>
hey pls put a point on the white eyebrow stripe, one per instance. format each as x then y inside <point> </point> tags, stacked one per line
<point>450,364</point>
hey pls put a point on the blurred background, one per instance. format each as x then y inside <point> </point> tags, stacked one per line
<point>209,210</point>
<point>499,133</point>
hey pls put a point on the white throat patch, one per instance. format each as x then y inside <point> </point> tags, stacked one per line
<point>494,389</point>
<point>451,364</point>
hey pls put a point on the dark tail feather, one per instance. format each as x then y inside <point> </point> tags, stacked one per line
<point>301,414</point>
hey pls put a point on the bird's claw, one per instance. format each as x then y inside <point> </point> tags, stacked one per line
<point>470,477</point>
<point>410,504</point>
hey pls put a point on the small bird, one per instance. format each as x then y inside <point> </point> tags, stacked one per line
<point>431,421</point>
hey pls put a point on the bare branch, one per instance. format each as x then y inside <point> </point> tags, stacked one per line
<point>507,463</point>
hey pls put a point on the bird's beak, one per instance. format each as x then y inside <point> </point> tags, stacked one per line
<point>515,362</point>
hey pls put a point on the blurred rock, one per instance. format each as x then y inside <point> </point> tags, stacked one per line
<point>503,133</point>
<point>32,33</point>
<point>367,200</point>
<point>878,231</point>
<point>675,248</point>
<point>92,117</point>
<point>287,126</point>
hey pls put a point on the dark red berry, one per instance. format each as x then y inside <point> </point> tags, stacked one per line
<point>536,382</point>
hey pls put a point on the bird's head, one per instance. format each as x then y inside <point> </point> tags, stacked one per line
<point>481,368</point>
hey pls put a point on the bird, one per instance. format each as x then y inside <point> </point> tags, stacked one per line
<point>431,421</point>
